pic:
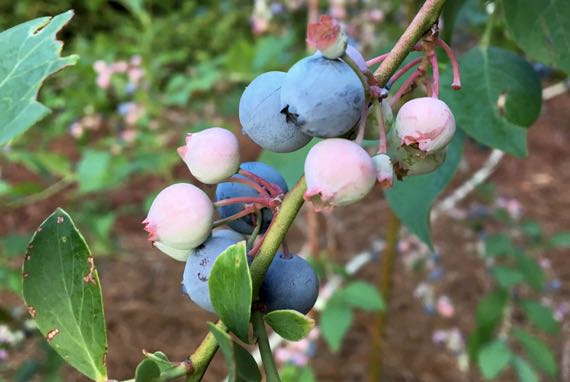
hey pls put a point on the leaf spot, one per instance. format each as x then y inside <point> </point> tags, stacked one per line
<point>64,239</point>
<point>88,278</point>
<point>25,275</point>
<point>51,334</point>
<point>28,257</point>
<point>59,219</point>
<point>32,311</point>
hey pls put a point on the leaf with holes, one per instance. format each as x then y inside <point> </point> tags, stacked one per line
<point>62,292</point>
<point>29,53</point>
<point>541,29</point>
<point>501,97</point>
<point>289,324</point>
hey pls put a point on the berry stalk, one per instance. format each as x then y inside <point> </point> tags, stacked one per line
<point>260,332</point>
<point>262,191</point>
<point>403,71</point>
<point>273,189</point>
<point>456,85</point>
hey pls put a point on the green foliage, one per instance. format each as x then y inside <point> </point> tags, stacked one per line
<point>560,240</point>
<point>62,292</point>
<point>540,315</point>
<point>537,351</point>
<point>231,289</point>
<point>147,371</point>
<point>507,277</point>
<point>498,245</point>
<point>93,170</point>
<point>494,358</point>
<point>524,371</point>
<point>289,324</point>
<point>30,53</point>
<point>504,98</point>
<point>413,207</point>
<point>291,373</point>
<point>362,295</point>
<point>336,319</point>
<point>241,365</point>
<point>541,29</point>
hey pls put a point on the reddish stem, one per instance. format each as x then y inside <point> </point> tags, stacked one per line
<point>435,72</point>
<point>362,125</point>
<point>403,71</point>
<point>262,191</point>
<point>273,189</point>
<point>377,60</point>
<point>263,201</point>
<point>456,85</point>
<point>410,80</point>
<point>246,211</point>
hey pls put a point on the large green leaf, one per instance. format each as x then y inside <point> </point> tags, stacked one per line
<point>336,319</point>
<point>231,290</point>
<point>413,207</point>
<point>62,291</point>
<point>29,53</point>
<point>289,324</point>
<point>489,314</point>
<point>540,315</point>
<point>493,358</point>
<point>363,295</point>
<point>538,352</point>
<point>541,28</point>
<point>241,365</point>
<point>501,96</point>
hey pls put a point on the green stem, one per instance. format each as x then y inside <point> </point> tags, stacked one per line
<point>201,358</point>
<point>258,222</point>
<point>488,33</point>
<point>271,373</point>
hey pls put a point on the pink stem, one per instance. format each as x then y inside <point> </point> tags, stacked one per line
<point>263,201</point>
<point>435,72</point>
<point>410,80</point>
<point>456,85</point>
<point>382,144</point>
<point>262,191</point>
<point>362,125</point>
<point>273,189</point>
<point>403,71</point>
<point>246,211</point>
<point>377,60</point>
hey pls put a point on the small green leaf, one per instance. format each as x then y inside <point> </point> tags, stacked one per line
<point>231,290</point>
<point>147,371</point>
<point>488,316</point>
<point>63,294</point>
<point>506,277</point>
<point>307,375</point>
<point>93,170</point>
<point>532,229</point>
<point>363,295</point>
<point>290,324</point>
<point>160,359</point>
<point>524,371</point>
<point>533,273</point>
<point>560,240</point>
<point>29,53</point>
<point>413,207</point>
<point>498,245</point>
<point>493,359</point>
<point>336,319</point>
<point>538,352</point>
<point>504,98</point>
<point>540,315</point>
<point>241,365</point>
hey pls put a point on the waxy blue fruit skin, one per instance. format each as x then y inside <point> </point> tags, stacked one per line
<point>235,190</point>
<point>323,97</point>
<point>290,283</point>
<point>261,117</point>
<point>198,267</point>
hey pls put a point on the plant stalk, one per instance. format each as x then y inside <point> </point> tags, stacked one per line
<point>271,373</point>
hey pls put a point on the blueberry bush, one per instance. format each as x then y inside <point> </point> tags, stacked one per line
<point>335,129</point>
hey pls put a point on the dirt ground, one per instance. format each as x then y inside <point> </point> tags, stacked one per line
<point>145,308</point>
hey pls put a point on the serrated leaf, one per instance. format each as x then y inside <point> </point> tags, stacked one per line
<point>241,365</point>
<point>541,29</point>
<point>290,324</point>
<point>363,295</point>
<point>501,97</point>
<point>147,371</point>
<point>231,289</point>
<point>560,240</point>
<point>93,170</point>
<point>524,371</point>
<point>63,294</point>
<point>537,351</point>
<point>506,277</point>
<point>336,319</point>
<point>29,53</point>
<point>413,207</point>
<point>493,359</point>
<point>540,315</point>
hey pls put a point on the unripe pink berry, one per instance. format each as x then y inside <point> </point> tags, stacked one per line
<point>179,220</point>
<point>338,172</point>
<point>427,122</point>
<point>211,155</point>
<point>384,170</point>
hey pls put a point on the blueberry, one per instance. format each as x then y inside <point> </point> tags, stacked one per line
<point>290,283</point>
<point>323,97</point>
<point>198,267</point>
<point>259,114</point>
<point>245,225</point>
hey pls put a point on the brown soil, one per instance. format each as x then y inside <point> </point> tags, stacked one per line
<point>145,308</point>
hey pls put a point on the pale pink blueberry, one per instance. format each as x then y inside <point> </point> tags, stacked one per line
<point>135,75</point>
<point>211,155</point>
<point>180,218</point>
<point>328,36</point>
<point>384,170</point>
<point>427,122</point>
<point>445,307</point>
<point>338,172</point>
<point>119,66</point>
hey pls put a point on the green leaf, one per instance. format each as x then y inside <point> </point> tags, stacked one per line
<point>336,319</point>
<point>160,359</point>
<point>541,29</point>
<point>498,245</point>
<point>493,359</point>
<point>524,371</point>
<point>14,245</point>
<point>63,294</point>
<point>502,96</point>
<point>413,207</point>
<point>230,289</point>
<point>449,14</point>
<point>363,295</point>
<point>560,240</point>
<point>289,165</point>
<point>290,324</point>
<point>29,53</point>
<point>92,170</point>
<point>533,273</point>
<point>488,316</point>
<point>540,315</point>
<point>532,229</point>
<point>506,277</point>
<point>147,371</point>
<point>538,352</point>
<point>307,375</point>
<point>241,365</point>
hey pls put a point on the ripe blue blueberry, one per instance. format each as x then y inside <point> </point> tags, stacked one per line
<point>290,283</point>
<point>259,114</point>
<point>323,97</point>
<point>198,267</point>
<point>228,190</point>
